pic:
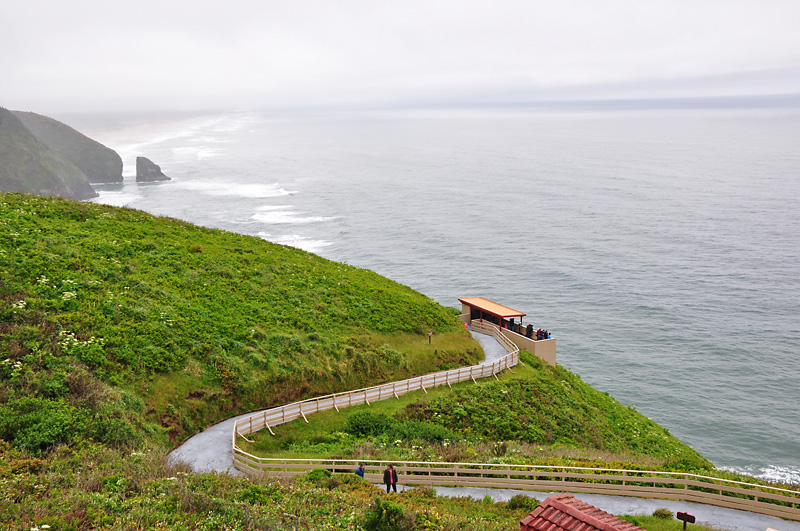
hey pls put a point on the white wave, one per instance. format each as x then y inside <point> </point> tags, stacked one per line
<point>775,473</point>
<point>119,198</point>
<point>274,207</point>
<point>198,152</point>
<point>234,189</point>
<point>295,240</point>
<point>285,216</point>
<point>235,124</point>
<point>213,140</point>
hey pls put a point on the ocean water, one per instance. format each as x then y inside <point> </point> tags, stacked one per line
<point>661,246</point>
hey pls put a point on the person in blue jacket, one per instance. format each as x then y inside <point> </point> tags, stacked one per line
<point>360,470</point>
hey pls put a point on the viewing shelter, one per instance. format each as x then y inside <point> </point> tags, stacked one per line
<point>484,309</point>
<point>505,318</point>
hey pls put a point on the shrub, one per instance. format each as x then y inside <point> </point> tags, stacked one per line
<point>499,449</point>
<point>416,429</point>
<point>318,476</point>
<point>663,514</point>
<point>367,424</point>
<point>36,424</point>
<point>521,501</point>
<point>384,516</point>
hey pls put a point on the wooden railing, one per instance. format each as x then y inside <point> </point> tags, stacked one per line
<point>485,327</point>
<point>772,501</point>
<point>278,415</point>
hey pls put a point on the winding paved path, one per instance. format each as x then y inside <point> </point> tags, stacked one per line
<point>210,451</point>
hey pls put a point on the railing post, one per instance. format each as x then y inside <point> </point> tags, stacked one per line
<point>267,425</point>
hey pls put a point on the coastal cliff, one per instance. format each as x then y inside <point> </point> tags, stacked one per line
<point>99,163</point>
<point>30,166</point>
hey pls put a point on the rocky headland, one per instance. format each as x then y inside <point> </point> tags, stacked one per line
<point>28,165</point>
<point>99,163</point>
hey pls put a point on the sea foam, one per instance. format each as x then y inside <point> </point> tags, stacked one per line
<point>283,214</point>
<point>223,188</point>
<point>295,240</point>
<point>778,474</point>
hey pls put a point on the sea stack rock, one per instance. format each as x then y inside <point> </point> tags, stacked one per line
<point>147,171</point>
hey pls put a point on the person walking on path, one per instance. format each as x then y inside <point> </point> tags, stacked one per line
<point>360,470</point>
<point>390,478</point>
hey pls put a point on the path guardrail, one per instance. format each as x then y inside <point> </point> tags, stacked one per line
<point>278,415</point>
<point>763,499</point>
<point>772,501</point>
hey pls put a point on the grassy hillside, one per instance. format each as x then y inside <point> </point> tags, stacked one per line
<point>29,166</point>
<point>536,415</point>
<point>91,487</point>
<point>119,326</point>
<point>121,333</point>
<point>99,163</point>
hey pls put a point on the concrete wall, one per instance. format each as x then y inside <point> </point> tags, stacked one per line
<point>544,349</point>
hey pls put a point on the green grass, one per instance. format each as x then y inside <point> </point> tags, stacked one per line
<point>653,523</point>
<point>536,414</point>
<point>172,327</point>
<point>95,487</point>
<point>123,333</point>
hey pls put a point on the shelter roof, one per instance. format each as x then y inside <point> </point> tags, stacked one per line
<point>491,307</point>
<point>565,512</point>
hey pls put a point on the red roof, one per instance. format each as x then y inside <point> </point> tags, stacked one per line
<point>565,512</point>
<point>491,307</point>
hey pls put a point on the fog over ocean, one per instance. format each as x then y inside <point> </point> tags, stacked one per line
<point>660,246</point>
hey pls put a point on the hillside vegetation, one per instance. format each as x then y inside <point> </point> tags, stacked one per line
<point>91,487</point>
<point>122,333</point>
<point>121,327</point>
<point>536,415</point>
<point>27,165</point>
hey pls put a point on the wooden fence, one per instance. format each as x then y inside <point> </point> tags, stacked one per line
<point>772,501</point>
<point>281,414</point>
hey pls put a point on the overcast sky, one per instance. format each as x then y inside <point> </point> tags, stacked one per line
<point>82,55</point>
